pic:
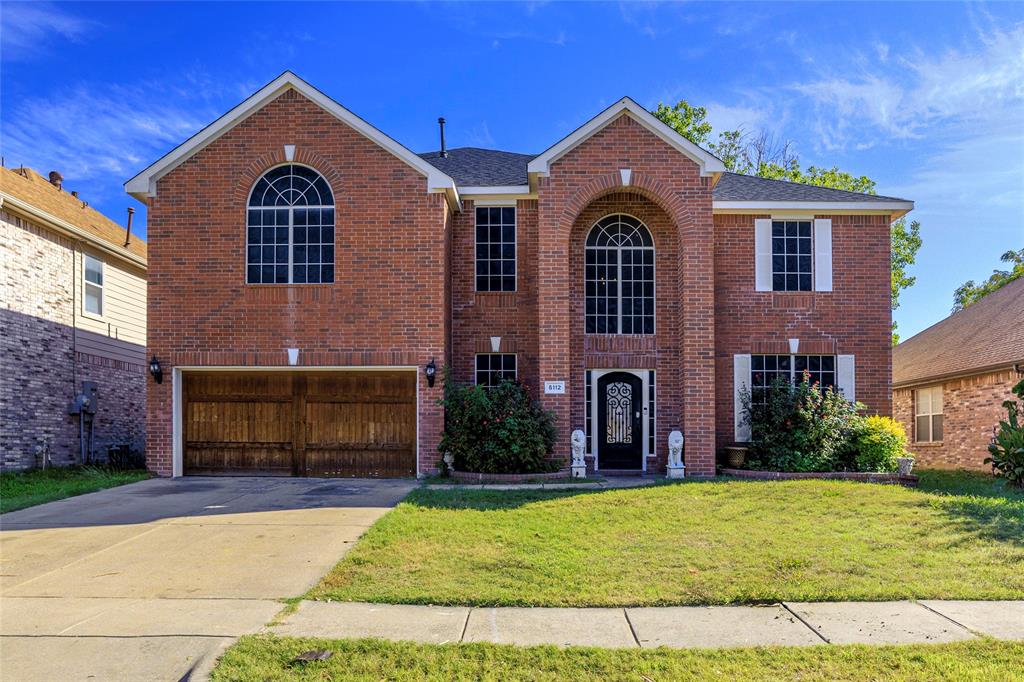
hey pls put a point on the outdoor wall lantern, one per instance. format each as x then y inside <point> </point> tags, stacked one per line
<point>431,371</point>
<point>154,369</point>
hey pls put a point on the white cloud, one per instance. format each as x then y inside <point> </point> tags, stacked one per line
<point>479,136</point>
<point>25,28</point>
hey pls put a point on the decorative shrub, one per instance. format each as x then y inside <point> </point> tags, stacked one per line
<point>497,430</point>
<point>798,427</point>
<point>876,442</point>
<point>1007,450</point>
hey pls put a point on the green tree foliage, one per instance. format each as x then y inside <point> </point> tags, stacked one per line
<point>763,155</point>
<point>969,292</point>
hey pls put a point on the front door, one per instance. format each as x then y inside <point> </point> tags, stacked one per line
<point>620,433</point>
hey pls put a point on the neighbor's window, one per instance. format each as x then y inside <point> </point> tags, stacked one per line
<point>93,285</point>
<point>791,255</point>
<point>493,368</point>
<point>495,248</point>
<point>290,228</point>
<point>765,369</point>
<point>928,412</point>
<point>619,277</point>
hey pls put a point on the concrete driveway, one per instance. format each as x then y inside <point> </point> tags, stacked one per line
<point>151,581</point>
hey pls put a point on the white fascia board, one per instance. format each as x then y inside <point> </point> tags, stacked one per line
<point>710,165</point>
<point>143,185</point>
<point>896,208</point>
<point>64,227</point>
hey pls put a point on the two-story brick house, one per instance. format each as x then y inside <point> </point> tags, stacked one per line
<point>307,272</point>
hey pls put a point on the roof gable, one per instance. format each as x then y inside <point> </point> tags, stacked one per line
<point>143,185</point>
<point>709,163</point>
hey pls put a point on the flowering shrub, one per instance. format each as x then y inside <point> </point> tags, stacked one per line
<point>496,430</point>
<point>799,427</point>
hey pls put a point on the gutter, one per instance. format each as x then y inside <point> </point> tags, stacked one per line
<point>64,227</point>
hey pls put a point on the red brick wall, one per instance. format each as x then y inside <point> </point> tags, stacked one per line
<point>386,307</point>
<point>854,318</point>
<point>972,408</point>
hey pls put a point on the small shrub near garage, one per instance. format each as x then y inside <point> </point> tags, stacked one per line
<point>496,430</point>
<point>805,427</point>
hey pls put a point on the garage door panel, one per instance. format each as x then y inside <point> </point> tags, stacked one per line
<point>305,423</point>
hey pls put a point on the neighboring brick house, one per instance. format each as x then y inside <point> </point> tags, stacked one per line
<point>306,270</point>
<point>73,316</point>
<point>950,381</point>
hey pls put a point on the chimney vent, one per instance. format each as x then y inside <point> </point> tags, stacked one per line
<point>56,179</point>
<point>444,149</point>
<point>74,193</point>
<point>128,229</point>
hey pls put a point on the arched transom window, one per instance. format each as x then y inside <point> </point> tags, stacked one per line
<point>290,227</point>
<point>619,277</point>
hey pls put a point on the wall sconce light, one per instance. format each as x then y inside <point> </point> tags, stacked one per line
<point>431,371</point>
<point>154,369</point>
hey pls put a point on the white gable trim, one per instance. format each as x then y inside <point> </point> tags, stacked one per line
<point>143,185</point>
<point>709,163</point>
<point>896,208</point>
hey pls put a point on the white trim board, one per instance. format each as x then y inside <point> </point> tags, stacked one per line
<point>811,208</point>
<point>143,185</point>
<point>710,165</point>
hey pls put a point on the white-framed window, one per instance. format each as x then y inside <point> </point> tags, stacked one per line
<point>496,248</point>
<point>792,262</point>
<point>93,285</point>
<point>493,368</point>
<point>619,277</point>
<point>290,228</point>
<point>928,414</point>
<point>766,369</point>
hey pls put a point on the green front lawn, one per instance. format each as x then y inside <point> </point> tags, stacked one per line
<point>267,658</point>
<point>960,536</point>
<point>29,488</point>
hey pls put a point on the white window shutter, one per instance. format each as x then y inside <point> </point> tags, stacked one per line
<point>822,254</point>
<point>762,254</point>
<point>846,377</point>
<point>741,383</point>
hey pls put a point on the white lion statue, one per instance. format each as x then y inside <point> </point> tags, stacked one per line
<point>579,446</point>
<point>675,449</point>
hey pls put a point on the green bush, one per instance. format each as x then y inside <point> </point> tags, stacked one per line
<point>1007,450</point>
<point>497,430</point>
<point>798,427</point>
<point>875,443</point>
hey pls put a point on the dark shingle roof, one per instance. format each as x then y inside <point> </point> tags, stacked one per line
<point>985,334</point>
<point>736,187</point>
<point>472,166</point>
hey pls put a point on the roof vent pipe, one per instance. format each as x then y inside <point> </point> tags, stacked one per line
<point>56,179</point>
<point>128,229</point>
<point>444,149</point>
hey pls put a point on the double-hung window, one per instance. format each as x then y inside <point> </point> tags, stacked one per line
<point>791,255</point>
<point>290,228</point>
<point>493,368</point>
<point>495,248</point>
<point>93,285</point>
<point>928,414</point>
<point>765,370</point>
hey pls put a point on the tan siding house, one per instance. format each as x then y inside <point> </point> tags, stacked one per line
<point>73,299</point>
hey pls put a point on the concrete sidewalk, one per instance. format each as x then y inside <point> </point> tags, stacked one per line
<point>788,624</point>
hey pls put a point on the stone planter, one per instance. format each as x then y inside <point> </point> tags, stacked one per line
<point>906,465</point>
<point>735,456</point>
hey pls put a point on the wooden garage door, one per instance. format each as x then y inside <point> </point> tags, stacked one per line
<point>300,423</point>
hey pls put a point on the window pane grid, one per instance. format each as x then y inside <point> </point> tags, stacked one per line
<point>588,421</point>
<point>290,228</point>
<point>650,414</point>
<point>766,369</point>
<point>93,268</point>
<point>619,277</point>
<point>496,248</point>
<point>928,421</point>
<point>791,255</point>
<point>493,368</point>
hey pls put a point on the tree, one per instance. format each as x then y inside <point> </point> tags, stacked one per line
<point>969,292</point>
<point>763,155</point>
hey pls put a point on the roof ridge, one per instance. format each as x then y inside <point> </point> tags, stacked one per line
<point>981,304</point>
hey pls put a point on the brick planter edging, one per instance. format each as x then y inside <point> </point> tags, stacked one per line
<point>508,478</point>
<point>862,476</point>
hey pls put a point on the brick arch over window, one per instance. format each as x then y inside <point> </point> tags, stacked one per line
<point>263,163</point>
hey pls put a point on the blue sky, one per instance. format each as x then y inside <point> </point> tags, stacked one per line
<point>927,99</point>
